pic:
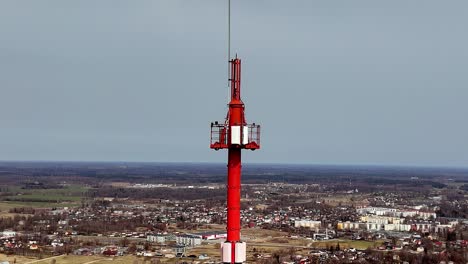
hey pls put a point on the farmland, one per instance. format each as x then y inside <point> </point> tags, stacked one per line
<point>19,197</point>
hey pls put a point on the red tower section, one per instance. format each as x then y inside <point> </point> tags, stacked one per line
<point>234,134</point>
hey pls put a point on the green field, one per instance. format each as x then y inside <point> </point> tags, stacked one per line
<point>68,196</point>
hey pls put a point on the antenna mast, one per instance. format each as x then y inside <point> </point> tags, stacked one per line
<point>234,134</point>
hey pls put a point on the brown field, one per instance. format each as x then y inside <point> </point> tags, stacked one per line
<point>357,244</point>
<point>72,259</point>
<point>120,184</point>
<point>11,215</point>
<point>19,259</point>
<point>5,206</point>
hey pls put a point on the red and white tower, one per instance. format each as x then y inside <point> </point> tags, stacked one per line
<point>234,134</point>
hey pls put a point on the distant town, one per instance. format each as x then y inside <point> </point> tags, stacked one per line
<point>175,213</point>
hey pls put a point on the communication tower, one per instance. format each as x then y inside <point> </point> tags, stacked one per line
<point>234,134</point>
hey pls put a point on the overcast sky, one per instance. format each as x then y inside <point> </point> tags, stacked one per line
<point>331,82</point>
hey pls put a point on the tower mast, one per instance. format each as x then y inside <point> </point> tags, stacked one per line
<point>234,134</point>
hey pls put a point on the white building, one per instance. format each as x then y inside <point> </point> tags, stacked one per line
<point>377,211</point>
<point>397,227</point>
<point>211,235</point>
<point>427,215</point>
<point>157,238</point>
<point>381,211</point>
<point>374,226</point>
<point>383,220</point>
<point>307,223</point>
<point>8,233</point>
<point>188,240</point>
<point>350,225</point>
<point>425,227</point>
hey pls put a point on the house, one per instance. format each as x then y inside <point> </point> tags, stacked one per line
<point>33,247</point>
<point>8,233</point>
<point>83,251</point>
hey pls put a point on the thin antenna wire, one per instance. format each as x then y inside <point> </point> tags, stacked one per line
<point>229,47</point>
<point>229,30</point>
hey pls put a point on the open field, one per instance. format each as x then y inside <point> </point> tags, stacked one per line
<point>205,228</point>
<point>11,215</point>
<point>72,259</point>
<point>71,193</point>
<point>19,259</point>
<point>120,184</point>
<point>346,243</point>
<point>5,206</point>
<point>69,196</point>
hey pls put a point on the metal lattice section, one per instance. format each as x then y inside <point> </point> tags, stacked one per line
<point>220,136</point>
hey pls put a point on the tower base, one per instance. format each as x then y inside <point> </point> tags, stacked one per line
<point>240,252</point>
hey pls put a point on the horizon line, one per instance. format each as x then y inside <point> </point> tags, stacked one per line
<point>252,163</point>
